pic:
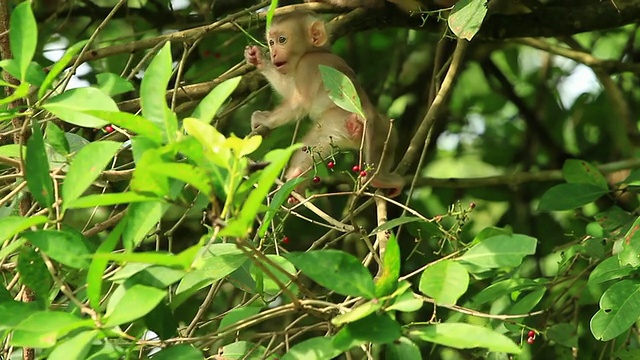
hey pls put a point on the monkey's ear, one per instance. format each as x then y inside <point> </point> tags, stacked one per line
<point>318,34</point>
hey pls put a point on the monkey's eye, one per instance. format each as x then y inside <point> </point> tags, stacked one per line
<point>282,39</point>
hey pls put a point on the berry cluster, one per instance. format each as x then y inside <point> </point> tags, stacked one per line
<point>532,337</point>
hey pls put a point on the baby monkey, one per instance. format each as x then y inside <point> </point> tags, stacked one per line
<point>298,44</point>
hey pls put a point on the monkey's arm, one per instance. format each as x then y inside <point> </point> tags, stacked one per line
<point>285,113</point>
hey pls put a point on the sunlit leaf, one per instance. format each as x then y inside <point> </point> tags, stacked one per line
<point>23,36</point>
<point>619,309</point>
<point>71,106</point>
<point>209,106</point>
<point>500,251</point>
<point>465,336</point>
<point>444,281</point>
<point>136,302</point>
<point>86,166</point>
<point>336,270</point>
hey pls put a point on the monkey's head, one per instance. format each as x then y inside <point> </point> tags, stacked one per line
<point>293,35</point>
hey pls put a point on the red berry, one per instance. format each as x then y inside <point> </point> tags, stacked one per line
<point>331,164</point>
<point>316,179</point>
<point>285,240</point>
<point>473,206</point>
<point>530,340</point>
<point>363,173</point>
<point>356,168</point>
<point>108,129</point>
<point>532,333</point>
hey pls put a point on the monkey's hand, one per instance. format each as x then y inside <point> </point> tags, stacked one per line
<point>260,118</point>
<point>254,56</point>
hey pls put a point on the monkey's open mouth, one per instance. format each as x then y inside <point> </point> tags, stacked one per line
<point>280,64</point>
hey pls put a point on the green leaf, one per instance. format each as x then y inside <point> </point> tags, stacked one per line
<point>211,139</point>
<point>43,328</point>
<point>155,258</point>
<point>136,302</point>
<point>219,261</point>
<point>56,138</point>
<point>85,168</point>
<point>406,302</point>
<point>98,265</point>
<point>357,313</point>
<point>67,247</point>
<point>21,91</point>
<point>388,280</point>
<point>152,93</point>
<point>500,251</point>
<point>341,90</point>
<point>335,270</point>
<point>11,150</point>
<point>11,248</point>
<point>505,287</point>
<point>113,84</point>
<point>37,169</point>
<point>190,174</point>
<point>581,172</point>
<point>282,194</point>
<point>444,281</point>
<point>12,225</point>
<point>71,106</point>
<point>244,350</point>
<point>609,269</point>
<point>619,309</point>
<point>375,328</point>
<point>235,315</point>
<point>59,66</point>
<point>563,334</point>
<point>75,348</point>
<point>34,274</point>
<point>526,303</point>
<point>34,77</point>
<point>209,106</point>
<point>23,36</point>
<point>569,196</point>
<point>394,223</point>
<point>14,312</point>
<point>141,217</point>
<point>108,200</point>
<point>182,352</point>
<point>630,254</point>
<point>403,349</point>
<point>277,159</point>
<point>465,336</point>
<point>317,348</point>
<point>467,17</point>
<point>267,283</point>
<point>134,123</point>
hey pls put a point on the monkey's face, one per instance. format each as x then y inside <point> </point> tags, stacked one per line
<point>280,51</point>
<point>286,46</point>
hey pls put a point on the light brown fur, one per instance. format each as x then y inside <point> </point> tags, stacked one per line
<point>298,45</point>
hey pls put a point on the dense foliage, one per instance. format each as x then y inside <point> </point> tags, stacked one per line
<point>137,220</point>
